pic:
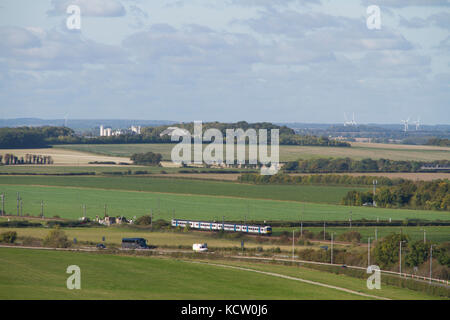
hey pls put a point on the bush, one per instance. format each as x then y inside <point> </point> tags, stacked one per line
<point>144,220</point>
<point>56,238</point>
<point>321,237</point>
<point>351,236</point>
<point>160,224</point>
<point>8,237</point>
<point>307,234</point>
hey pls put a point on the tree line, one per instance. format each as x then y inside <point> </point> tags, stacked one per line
<point>282,178</point>
<point>330,165</point>
<point>148,158</point>
<point>11,159</point>
<point>31,137</point>
<point>430,195</point>
<point>28,137</point>
<point>439,142</point>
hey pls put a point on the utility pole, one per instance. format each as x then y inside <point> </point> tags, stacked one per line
<point>350,219</point>
<point>332,234</point>
<point>18,200</point>
<point>293,248</point>
<point>324,230</point>
<point>3,204</point>
<point>248,209</point>
<point>301,229</point>
<point>42,208</point>
<point>400,260</point>
<point>368,252</point>
<point>105,210</point>
<point>375,182</point>
<point>84,211</point>
<point>431,262</point>
<point>424,236</point>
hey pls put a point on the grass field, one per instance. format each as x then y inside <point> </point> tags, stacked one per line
<point>433,233</point>
<point>114,235</point>
<point>39,274</point>
<point>320,194</point>
<point>67,203</point>
<point>288,153</point>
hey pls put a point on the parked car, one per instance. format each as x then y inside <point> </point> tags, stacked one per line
<point>101,246</point>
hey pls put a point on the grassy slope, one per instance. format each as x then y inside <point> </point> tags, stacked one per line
<point>320,194</point>
<point>343,281</point>
<point>289,153</point>
<point>41,275</point>
<point>67,203</point>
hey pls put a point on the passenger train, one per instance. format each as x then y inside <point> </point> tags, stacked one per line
<point>217,226</point>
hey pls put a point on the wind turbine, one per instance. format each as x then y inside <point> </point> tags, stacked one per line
<point>405,123</point>
<point>353,120</point>
<point>417,124</point>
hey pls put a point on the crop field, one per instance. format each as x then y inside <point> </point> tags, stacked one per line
<point>358,151</point>
<point>67,202</point>
<point>97,169</point>
<point>433,233</point>
<point>65,157</point>
<point>308,193</point>
<point>39,274</point>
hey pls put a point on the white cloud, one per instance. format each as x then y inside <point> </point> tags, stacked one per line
<point>37,49</point>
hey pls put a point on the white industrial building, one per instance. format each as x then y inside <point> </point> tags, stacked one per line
<point>108,132</point>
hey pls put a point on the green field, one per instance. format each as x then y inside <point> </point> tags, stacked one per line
<point>113,237</point>
<point>66,202</point>
<point>433,233</point>
<point>39,274</point>
<point>308,193</point>
<point>287,153</point>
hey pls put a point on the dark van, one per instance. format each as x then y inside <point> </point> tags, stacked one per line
<point>134,243</point>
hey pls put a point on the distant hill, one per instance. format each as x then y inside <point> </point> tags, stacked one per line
<point>82,124</point>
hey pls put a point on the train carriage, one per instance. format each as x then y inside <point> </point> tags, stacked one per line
<point>217,226</point>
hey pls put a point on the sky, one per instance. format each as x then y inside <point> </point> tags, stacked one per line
<point>229,60</point>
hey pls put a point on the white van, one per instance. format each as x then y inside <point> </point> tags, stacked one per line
<point>200,247</point>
